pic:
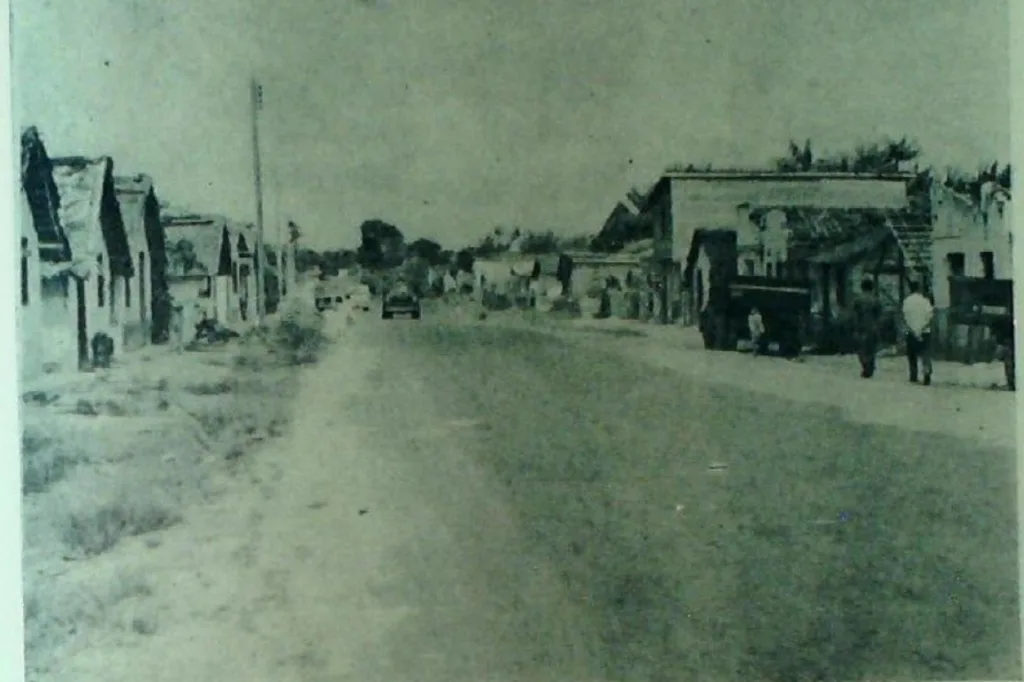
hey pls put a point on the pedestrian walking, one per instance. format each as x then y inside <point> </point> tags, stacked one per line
<point>755,324</point>
<point>867,317</point>
<point>917,318</point>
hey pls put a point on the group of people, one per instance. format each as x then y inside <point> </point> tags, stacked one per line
<point>917,311</point>
<point>868,312</point>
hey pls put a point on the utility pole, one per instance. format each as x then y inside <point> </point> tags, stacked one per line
<point>256,93</point>
<point>282,271</point>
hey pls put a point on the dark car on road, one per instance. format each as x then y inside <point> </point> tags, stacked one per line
<point>400,300</point>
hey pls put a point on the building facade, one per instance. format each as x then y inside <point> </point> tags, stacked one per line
<point>680,204</point>
<point>102,264</point>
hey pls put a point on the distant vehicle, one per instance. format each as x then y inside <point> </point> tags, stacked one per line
<point>400,300</point>
<point>327,295</point>
<point>360,297</point>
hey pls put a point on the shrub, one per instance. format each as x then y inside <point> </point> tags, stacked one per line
<point>211,388</point>
<point>43,462</point>
<point>564,305</point>
<point>99,527</point>
<point>299,332</point>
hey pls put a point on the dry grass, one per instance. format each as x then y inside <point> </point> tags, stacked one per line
<point>99,519</point>
<point>59,611</point>
<point>44,462</point>
<point>211,388</point>
<point>94,482</point>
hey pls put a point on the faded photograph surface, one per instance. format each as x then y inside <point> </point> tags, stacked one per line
<point>490,340</point>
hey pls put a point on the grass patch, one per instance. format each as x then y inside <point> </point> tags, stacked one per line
<point>44,462</point>
<point>57,612</point>
<point>95,529</point>
<point>211,388</point>
<point>299,336</point>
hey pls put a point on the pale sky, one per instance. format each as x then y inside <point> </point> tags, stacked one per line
<point>447,118</point>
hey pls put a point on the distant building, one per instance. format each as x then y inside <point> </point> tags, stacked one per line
<point>971,238</point>
<point>199,267</point>
<point>974,239</point>
<point>243,273</point>
<point>147,299</point>
<point>47,308</point>
<point>681,204</point>
<point>101,259</point>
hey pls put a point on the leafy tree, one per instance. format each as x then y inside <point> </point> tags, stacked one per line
<point>538,243</point>
<point>879,157</point>
<point>183,258</point>
<point>464,260</point>
<point>307,259</point>
<point>426,249</point>
<point>382,245</point>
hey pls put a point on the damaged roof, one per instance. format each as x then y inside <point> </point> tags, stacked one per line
<point>195,244</point>
<point>814,231</point>
<point>41,196</point>
<point>133,194</point>
<point>90,215</point>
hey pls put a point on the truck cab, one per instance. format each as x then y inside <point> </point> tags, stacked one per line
<point>785,304</point>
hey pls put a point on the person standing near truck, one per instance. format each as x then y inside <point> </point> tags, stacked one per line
<point>867,318</point>
<point>755,325</point>
<point>917,318</point>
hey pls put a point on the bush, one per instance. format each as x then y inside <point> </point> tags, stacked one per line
<point>43,462</point>
<point>565,305</point>
<point>97,529</point>
<point>299,332</point>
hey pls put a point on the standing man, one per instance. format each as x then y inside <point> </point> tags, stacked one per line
<point>917,317</point>
<point>755,325</point>
<point>867,318</point>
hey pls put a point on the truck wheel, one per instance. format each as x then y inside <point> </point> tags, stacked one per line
<point>416,315</point>
<point>386,315</point>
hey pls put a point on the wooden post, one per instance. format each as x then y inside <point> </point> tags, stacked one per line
<point>256,94</point>
<point>902,269</point>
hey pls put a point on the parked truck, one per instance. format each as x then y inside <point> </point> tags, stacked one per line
<point>784,304</point>
<point>977,301</point>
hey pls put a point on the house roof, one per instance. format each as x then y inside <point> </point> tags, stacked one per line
<point>89,213</point>
<point>41,196</point>
<point>132,195</point>
<point>243,237</point>
<point>598,259</point>
<point>194,244</point>
<point>847,251</point>
<point>815,231</point>
<point>720,240</point>
<point>775,175</point>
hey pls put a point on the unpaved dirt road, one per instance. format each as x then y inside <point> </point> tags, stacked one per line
<point>463,503</point>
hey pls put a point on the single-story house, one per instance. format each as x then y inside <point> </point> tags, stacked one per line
<point>591,271</point>
<point>681,203</point>
<point>148,300</point>
<point>47,312</point>
<point>837,248</point>
<point>832,250</point>
<point>243,273</point>
<point>101,260</point>
<point>199,267</point>
<point>972,238</point>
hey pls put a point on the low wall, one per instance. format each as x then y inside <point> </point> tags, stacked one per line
<point>962,343</point>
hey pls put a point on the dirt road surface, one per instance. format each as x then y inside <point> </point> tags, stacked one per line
<point>457,502</point>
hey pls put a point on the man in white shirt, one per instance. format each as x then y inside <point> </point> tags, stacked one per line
<point>917,317</point>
